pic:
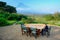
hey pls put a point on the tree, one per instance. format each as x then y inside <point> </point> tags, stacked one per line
<point>2,4</point>
<point>7,8</point>
<point>12,17</point>
<point>10,9</point>
<point>20,17</point>
<point>57,15</point>
<point>49,17</point>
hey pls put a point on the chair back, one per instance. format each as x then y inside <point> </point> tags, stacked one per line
<point>33,29</point>
<point>49,28</point>
<point>22,26</point>
<point>25,29</point>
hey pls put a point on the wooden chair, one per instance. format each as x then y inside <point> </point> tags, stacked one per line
<point>33,31</point>
<point>49,29</point>
<point>38,32</point>
<point>29,31</point>
<point>24,29</point>
<point>46,31</point>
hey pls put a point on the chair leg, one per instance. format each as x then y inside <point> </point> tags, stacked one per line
<point>34,35</point>
<point>42,33</point>
<point>48,34</point>
<point>27,33</point>
<point>22,32</point>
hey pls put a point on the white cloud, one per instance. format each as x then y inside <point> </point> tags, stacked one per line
<point>21,9</point>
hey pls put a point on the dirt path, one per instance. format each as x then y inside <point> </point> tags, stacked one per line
<point>13,32</point>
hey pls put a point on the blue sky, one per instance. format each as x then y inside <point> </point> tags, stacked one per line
<point>40,6</point>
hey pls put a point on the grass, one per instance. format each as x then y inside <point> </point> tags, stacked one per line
<point>11,22</point>
<point>52,22</point>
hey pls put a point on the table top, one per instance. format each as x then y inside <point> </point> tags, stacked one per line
<point>38,26</point>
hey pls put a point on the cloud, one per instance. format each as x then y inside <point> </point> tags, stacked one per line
<point>22,9</point>
<point>22,5</point>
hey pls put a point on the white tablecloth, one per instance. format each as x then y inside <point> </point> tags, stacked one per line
<point>38,26</point>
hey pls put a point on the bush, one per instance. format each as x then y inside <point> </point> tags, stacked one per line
<point>3,22</point>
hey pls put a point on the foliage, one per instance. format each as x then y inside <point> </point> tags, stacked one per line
<point>10,9</point>
<point>2,4</point>
<point>7,8</point>
<point>49,17</point>
<point>3,22</point>
<point>9,16</point>
<point>12,17</point>
<point>56,16</point>
<point>4,15</point>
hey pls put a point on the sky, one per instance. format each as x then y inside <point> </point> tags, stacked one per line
<point>39,6</point>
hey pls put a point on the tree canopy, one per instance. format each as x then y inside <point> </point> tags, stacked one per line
<point>7,8</point>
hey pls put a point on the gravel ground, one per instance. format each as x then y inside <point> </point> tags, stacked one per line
<point>13,32</point>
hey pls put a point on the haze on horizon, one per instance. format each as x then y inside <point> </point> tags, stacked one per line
<point>38,6</point>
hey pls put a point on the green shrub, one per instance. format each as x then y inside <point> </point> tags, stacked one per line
<point>3,22</point>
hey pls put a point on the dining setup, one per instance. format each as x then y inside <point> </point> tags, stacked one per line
<point>35,30</point>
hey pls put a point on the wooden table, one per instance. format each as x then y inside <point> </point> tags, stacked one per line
<point>38,26</point>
